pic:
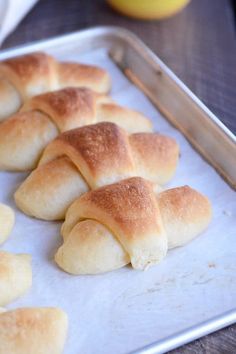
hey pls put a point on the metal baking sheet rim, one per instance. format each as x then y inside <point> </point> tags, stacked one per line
<point>116,36</point>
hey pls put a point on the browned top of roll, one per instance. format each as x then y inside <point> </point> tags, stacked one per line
<point>131,203</point>
<point>100,151</point>
<point>31,73</point>
<point>67,108</point>
<point>185,203</point>
<point>35,73</point>
<point>73,107</point>
<point>79,75</point>
<point>104,153</point>
<point>154,155</point>
<point>29,65</point>
<point>185,213</point>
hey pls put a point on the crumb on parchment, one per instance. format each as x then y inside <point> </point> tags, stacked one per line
<point>227,212</point>
<point>211,265</point>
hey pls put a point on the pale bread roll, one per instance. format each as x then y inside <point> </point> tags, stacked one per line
<point>10,99</point>
<point>33,331</point>
<point>15,276</point>
<point>7,220</point>
<point>185,212</point>
<point>25,134</point>
<point>90,157</point>
<point>93,243</point>
<point>130,212</point>
<point>91,248</point>
<point>28,75</point>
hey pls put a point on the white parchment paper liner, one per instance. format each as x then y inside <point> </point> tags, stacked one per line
<point>123,310</point>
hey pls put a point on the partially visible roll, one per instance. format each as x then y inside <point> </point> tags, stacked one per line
<point>15,276</point>
<point>7,219</point>
<point>33,331</point>
<point>31,74</point>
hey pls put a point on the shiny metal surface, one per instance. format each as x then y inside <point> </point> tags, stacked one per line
<point>179,105</point>
<point>189,335</point>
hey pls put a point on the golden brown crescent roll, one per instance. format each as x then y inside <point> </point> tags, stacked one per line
<point>15,276</point>
<point>24,136</point>
<point>90,157</point>
<point>7,219</point>
<point>31,74</point>
<point>130,211</point>
<point>125,222</point>
<point>33,331</point>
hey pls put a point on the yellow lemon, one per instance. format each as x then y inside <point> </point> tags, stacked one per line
<point>148,9</point>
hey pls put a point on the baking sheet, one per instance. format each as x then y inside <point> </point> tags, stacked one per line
<point>124,310</point>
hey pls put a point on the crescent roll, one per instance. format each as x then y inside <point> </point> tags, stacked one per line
<point>127,222</point>
<point>90,157</point>
<point>33,331</point>
<point>31,74</point>
<point>7,219</point>
<point>24,136</point>
<point>15,276</point>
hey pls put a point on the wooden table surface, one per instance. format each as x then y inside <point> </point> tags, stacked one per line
<point>198,44</point>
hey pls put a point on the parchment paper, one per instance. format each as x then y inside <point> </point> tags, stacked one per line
<point>126,309</point>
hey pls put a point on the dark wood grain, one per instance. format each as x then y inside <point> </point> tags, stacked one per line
<point>198,45</point>
<point>220,342</point>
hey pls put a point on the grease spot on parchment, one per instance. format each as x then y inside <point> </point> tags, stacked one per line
<point>203,281</point>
